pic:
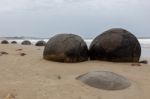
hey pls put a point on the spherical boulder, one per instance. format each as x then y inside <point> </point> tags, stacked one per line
<point>13,42</point>
<point>40,43</point>
<point>117,45</point>
<point>66,48</point>
<point>26,42</point>
<point>4,42</point>
<point>104,80</point>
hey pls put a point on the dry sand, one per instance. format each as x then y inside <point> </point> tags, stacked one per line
<point>31,77</point>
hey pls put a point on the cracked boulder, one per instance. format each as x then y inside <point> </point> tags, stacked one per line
<point>117,45</point>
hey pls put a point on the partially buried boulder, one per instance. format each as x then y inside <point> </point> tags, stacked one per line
<point>26,42</point>
<point>104,80</point>
<point>66,48</point>
<point>116,45</point>
<point>13,42</point>
<point>40,43</point>
<point>4,42</point>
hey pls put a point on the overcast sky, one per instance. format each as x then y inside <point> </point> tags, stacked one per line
<point>87,18</point>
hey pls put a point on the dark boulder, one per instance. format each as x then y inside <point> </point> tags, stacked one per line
<point>40,43</point>
<point>104,80</point>
<point>26,42</point>
<point>66,48</point>
<point>13,42</point>
<point>116,45</point>
<point>4,42</point>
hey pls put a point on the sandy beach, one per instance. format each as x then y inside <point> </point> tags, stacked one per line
<point>32,77</point>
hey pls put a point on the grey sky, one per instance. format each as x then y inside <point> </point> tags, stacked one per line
<point>88,18</point>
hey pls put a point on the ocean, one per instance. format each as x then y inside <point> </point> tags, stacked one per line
<point>145,45</point>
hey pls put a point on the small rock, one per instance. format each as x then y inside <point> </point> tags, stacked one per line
<point>22,54</point>
<point>10,96</point>
<point>59,77</point>
<point>144,62</point>
<point>3,53</point>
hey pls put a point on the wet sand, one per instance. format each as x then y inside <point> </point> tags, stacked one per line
<point>31,77</point>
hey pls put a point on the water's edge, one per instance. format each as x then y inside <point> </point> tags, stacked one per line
<point>145,45</point>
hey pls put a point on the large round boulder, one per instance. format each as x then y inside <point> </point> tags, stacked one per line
<point>66,48</point>
<point>40,43</point>
<point>26,42</point>
<point>104,80</point>
<point>13,42</point>
<point>116,45</point>
<point>4,42</point>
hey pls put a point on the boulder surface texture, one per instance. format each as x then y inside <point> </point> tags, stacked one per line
<point>104,80</point>
<point>66,48</point>
<point>116,45</point>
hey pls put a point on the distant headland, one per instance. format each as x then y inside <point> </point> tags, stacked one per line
<point>21,37</point>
